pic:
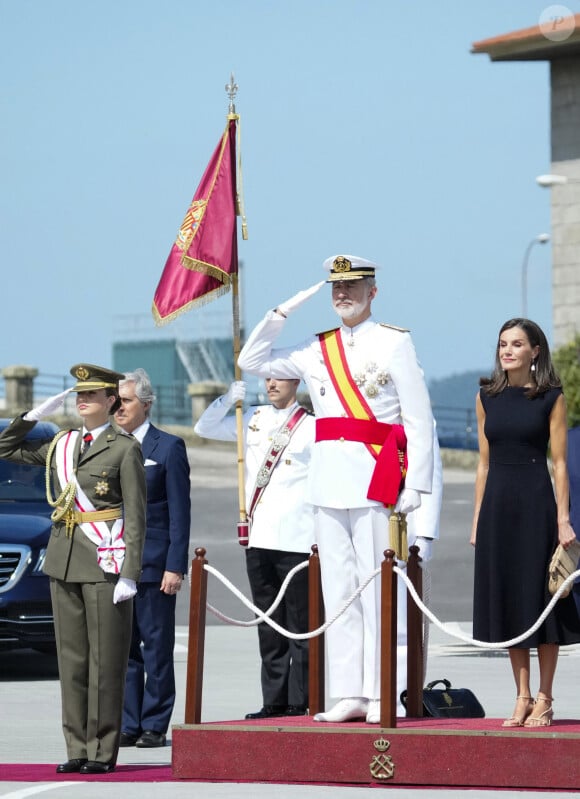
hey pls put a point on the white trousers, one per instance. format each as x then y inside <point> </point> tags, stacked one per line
<point>351,545</point>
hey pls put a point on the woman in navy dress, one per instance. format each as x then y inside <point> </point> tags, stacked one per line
<point>520,517</point>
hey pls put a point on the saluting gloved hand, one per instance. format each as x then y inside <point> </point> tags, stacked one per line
<point>236,392</point>
<point>296,301</point>
<point>47,407</point>
<point>125,589</point>
<point>409,500</point>
<point>425,548</point>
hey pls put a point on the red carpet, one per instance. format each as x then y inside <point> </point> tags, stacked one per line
<point>434,753</point>
<point>460,753</point>
<point>45,772</point>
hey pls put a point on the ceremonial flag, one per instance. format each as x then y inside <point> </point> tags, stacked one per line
<point>204,256</point>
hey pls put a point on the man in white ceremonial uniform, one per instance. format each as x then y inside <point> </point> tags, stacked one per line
<point>375,448</point>
<point>278,441</point>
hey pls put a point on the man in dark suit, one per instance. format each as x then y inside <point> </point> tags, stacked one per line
<point>574,478</point>
<point>150,683</point>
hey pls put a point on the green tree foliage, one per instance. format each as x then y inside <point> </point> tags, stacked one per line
<point>567,363</point>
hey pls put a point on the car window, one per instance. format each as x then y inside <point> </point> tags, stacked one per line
<point>21,482</point>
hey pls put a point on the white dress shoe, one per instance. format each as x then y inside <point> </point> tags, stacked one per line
<point>353,707</point>
<point>374,711</point>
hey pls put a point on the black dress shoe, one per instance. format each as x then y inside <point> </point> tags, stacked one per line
<point>96,767</point>
<point>71,766</point>
<point>150,738</point>
<point>296,710</point>
<point>268,712</point>
<point>127,739</point>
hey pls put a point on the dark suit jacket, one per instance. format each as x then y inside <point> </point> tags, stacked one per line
<point>113,462</point>
<point>168,505</point>
<point>574,476</point>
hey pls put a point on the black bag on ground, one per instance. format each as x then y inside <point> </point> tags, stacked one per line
<point>448,702</point>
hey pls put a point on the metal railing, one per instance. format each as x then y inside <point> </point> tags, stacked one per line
<point>456,427</point>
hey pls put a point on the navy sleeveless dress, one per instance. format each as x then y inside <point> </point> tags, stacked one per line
<point>517,528</point>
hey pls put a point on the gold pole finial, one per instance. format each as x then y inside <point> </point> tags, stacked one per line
<point>232,90</point>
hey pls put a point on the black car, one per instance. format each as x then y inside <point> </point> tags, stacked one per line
<point>25,609</point>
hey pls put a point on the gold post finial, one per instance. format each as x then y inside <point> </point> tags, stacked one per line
<point>232,90</point>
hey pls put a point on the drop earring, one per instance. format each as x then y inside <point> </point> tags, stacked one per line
<point>533,367</point>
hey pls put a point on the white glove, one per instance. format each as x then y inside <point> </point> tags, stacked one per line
<point>296,301</point>
<point>125,589</point>
<point>47,407</point>
<point>236,392</point>
<point>425,548</point>
<point>409,500</point>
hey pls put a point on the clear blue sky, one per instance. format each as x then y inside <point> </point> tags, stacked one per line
<point>367,127</point>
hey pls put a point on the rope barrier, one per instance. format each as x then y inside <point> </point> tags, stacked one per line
<point>264,616</point>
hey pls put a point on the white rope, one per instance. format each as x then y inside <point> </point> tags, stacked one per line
<point>486,644</point>
<point>264,616</point>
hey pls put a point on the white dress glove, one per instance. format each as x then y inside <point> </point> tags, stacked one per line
<point>125,589</point>
<point>235,393</point>
<point>47,407</point>
<point>425,548</point>
<point>409,500</point>
<point>296,301</point>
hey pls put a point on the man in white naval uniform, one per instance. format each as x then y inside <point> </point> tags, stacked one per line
<point>281,530</point>
<point>350,487</point>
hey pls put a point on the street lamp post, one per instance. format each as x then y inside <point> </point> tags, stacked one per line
<point>549,181</point>
<point>541,239</point>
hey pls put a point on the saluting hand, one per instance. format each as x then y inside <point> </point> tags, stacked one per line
<point>47,407</point>
<point>296,301</point>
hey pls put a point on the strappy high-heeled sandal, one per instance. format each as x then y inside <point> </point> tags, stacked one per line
<point>542,719</point>
<point>518,721</point>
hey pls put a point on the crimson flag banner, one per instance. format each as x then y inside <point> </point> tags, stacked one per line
<point>205,253</point>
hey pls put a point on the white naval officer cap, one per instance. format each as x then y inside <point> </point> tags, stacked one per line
<point>348,267</point>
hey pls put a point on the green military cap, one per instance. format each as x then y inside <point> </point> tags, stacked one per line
<point>91,377</point>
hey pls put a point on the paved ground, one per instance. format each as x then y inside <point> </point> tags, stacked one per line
<point>30,702</point>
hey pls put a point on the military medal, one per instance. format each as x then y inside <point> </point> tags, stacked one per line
<point>102,488</point>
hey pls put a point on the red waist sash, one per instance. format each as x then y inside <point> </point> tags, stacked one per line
<point>391,462</point>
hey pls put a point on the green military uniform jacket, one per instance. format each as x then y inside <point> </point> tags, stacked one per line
<point>112,475</point>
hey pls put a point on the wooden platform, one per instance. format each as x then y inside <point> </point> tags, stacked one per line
<point>469,753</point>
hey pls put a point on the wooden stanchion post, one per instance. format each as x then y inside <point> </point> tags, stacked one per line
<point>196,641</point>
<point>414,638</point>
<point>388,641</point>
<point>316,687</point>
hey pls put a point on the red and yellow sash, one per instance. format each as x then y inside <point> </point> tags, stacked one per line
<point>387,443</point>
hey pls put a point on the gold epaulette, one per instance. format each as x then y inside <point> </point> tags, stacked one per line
<point>394,327</point>
<point>332,330</point>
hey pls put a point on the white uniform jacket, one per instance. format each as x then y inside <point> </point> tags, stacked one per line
<point>382,360</point>
<point>282,519</point>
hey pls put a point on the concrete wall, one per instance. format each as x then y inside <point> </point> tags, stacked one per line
<point>565,113</point>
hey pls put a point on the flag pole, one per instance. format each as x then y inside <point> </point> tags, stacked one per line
<point>243,524</point>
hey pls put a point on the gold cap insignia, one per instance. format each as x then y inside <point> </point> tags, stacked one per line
<point>341,264</point>
<point>81,373</point>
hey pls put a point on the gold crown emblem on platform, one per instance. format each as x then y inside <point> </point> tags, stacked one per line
<point>381,745</point>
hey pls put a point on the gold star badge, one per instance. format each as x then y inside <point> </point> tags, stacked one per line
<point>102,488</point>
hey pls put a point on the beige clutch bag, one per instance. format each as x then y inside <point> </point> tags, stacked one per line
<point>564,562</point>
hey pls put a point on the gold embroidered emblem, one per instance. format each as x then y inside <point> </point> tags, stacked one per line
<point>82,373</point>
<point>102,488</point>
<point>190,224</point>
<point>382,766</point>
<point>341,264</point>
